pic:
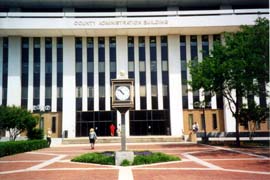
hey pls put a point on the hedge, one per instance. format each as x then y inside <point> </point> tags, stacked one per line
<point>14,147</point>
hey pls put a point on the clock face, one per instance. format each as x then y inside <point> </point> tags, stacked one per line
<point>122,93</point>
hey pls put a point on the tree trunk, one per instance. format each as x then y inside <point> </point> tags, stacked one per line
<point>237,134</point>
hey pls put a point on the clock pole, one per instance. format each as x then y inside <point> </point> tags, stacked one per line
<point>123,100</point>
<point>123,132</point>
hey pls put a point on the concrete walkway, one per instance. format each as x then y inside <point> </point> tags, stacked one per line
<point>198,162</point>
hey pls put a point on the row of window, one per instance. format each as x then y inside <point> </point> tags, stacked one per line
<point>101,67</point>
<point>203,122</point>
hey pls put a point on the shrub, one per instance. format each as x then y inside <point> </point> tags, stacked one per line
<point>125,162</point>
<point>97,158</point>
<point>14,147</point>
<point>154,158</point>
<point>35,133</point>
<point>141,157</point>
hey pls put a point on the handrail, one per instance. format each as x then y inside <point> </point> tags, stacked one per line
<point>131,14</point>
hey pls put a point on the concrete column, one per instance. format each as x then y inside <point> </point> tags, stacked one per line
<point>84,75</point>
<point>54,75</point>
<point>190,93</point>
<point>122,65</point>
<point>1,69</point>
<point>148,74</point>
<point>229,120</point>
<point>30,75</point>
<point>42,73</point>
<point>200,58</point>
<point>214,97</point>
<point>69,97</point>
<point>137,74</point>
<point>14,71</point>
<point>122,56</point>
<point>107,76</point>
<point>159,75</point>
<point>175,88</point>
<point>96,85</point>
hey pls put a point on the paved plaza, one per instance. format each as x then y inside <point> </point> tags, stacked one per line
<point>198,162</point>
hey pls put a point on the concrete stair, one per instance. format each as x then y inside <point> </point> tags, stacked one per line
<point>131,139</point>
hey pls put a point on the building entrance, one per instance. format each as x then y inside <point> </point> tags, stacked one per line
<point>149,122</point>
<point>99,120</point>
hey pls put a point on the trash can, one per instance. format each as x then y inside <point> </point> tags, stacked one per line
<point>66,134</point>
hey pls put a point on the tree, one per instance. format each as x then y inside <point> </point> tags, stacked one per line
<point>252,115</point>
<point>236,69</point>
<point>16,120</point>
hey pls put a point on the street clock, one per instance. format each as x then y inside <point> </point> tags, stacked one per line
<point>122,94</point>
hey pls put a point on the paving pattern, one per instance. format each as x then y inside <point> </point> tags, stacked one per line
<point>198,162</point>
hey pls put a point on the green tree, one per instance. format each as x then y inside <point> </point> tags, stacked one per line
<point>237,68</point>
<point>252,115</point>
<point>16,120</point>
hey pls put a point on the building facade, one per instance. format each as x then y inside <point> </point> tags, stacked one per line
<point>58,59</point>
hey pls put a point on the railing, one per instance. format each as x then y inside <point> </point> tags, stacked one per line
<point>132,14</point>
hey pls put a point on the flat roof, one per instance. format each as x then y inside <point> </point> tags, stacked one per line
<point>129,3</point>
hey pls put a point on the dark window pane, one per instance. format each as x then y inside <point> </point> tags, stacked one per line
<point>78,104</point>
<point>53,125</point>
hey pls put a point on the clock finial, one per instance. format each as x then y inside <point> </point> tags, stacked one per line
<point>122,74</point>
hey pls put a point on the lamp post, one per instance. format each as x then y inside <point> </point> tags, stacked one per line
<point>202,105</point>
<point>41,110</point>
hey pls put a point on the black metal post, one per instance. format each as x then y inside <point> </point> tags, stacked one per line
<point>123,132</point>
<point>205,138</point>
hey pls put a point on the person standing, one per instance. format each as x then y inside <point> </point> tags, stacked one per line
<point>195,129</point>
<point>112,129</point>
<point>92,138</point>
<point>49,137</point>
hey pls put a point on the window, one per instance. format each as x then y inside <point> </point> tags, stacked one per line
<point>202,122</point>
<point>258,125</point>
<point>90,92</point>
<point>59,92</point>
<point>164,48</point>
<point>141,49</point>
<point>53,125</point>
<point>214,118</point>
<point>78,92</point>
<point>142,66</point>
<point>190,121</point>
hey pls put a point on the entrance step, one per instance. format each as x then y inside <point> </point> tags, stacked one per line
<point>131,139</point>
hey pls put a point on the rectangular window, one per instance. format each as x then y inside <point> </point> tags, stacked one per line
<point>193,47</point>
<point>214,118</point>
<point>202,122</point>
<point>153,48</point>
<point>164,48</point>
<point>53,125</point>
<point>190,121</point>
<point>59,92</point>
<point>101,49</point>
<point>112,49</point>
<point>258,125</point>
<point>90,92</point>
<point>141,49</point>
<point>130,48</point>
<point>101,91</point>
<point>205,45</point>
<point>90,49</point>
<point>142,66</point>
<point>78,92</point>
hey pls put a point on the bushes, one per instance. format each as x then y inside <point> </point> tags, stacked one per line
<point>142,157</point>
<point>35,133</point>
<point>14,147</point>
<point>154,158</point>
<point>98,158</point>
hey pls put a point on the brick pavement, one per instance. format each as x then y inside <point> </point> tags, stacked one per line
<point>198,161</point>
